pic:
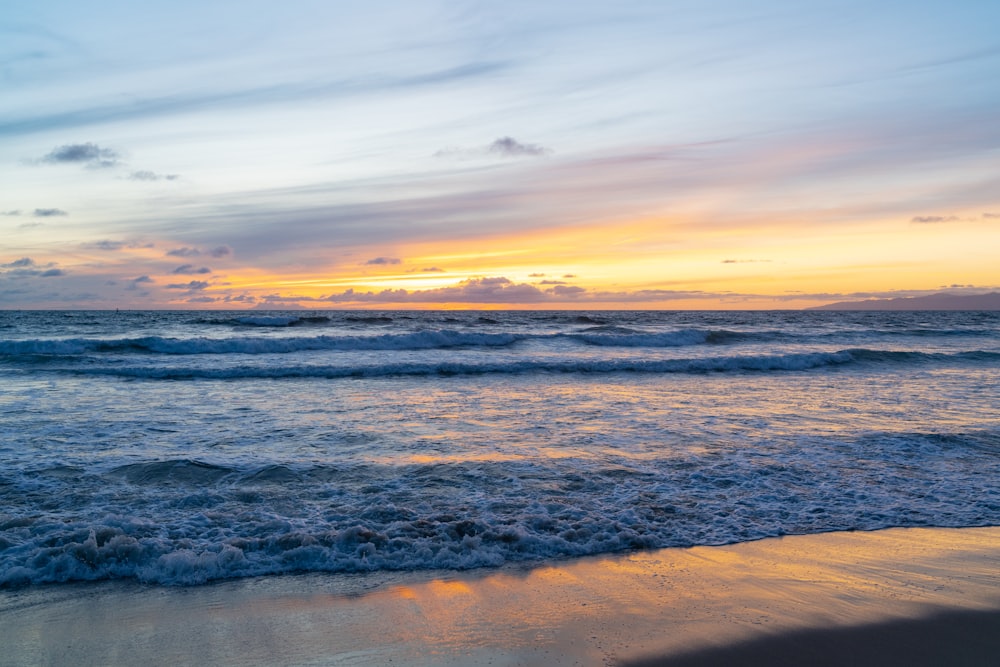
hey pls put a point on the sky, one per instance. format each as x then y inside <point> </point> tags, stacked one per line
<point>463,154</point>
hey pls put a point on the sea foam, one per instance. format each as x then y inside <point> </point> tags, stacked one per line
<point>185,522</point>
<point>178,448</point>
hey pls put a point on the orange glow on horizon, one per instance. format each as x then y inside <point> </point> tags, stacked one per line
<point>682,262</point>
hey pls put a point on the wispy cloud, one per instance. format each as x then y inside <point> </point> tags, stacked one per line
<point>244,98</point>
<point>108,245</point>
<point>217,252</point>
<point>134,284</point>
<point>189,269</point>
<point>277,226</point>
<point>567,291</point>
<point>501,290</point>
<point>504,147</point>
<point>113,246</point>
<point>26,267</point>
<point>238,298</point>
<point>145,175</point>
<point>24,262</point>
<point>967,56</point>
<point>48,212</point>
<point>510,147</point>
<point>888,294</point>
<point>184,252</point>
<point>476,290</point>
<point>194,285</point>
<point>602,139</point>
<point>88,154</point>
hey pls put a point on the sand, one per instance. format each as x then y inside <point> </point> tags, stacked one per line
<point>899,596</point>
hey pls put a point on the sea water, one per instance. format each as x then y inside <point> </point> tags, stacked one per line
<point>179,448</point>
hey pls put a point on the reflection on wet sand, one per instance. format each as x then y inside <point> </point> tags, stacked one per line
<point>601,610</point>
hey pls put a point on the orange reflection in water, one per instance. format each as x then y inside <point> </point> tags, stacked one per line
<point>447,588</point>
<point>650,601</point>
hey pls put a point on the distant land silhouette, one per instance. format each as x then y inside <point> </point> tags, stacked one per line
<point>940,301</point>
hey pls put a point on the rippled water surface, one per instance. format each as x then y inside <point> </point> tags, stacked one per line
<point>183,447</point>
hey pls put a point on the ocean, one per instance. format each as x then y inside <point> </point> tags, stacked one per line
<point>180,448</point>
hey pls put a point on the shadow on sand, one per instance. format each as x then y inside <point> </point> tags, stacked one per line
<point>956,639</point>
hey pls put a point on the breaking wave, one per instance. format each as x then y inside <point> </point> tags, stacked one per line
<point>723,364</point>
<point>184,522</point>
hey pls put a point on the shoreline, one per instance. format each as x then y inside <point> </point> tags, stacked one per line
<point>963,638</point>
<point>643,608</point>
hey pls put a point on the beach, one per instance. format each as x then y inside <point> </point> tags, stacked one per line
<point>625,334</point>
<point>502,488</point>
<point>915,590</point>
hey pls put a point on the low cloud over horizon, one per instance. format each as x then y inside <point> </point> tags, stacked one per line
<point>26,267</point>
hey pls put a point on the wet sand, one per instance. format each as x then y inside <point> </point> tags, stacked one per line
<point>946,638</point>
<point>900,596</point>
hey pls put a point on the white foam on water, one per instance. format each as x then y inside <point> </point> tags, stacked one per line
<point>177,449</point>
<point>187,522</point>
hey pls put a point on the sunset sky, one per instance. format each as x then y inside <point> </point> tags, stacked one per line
<point>417,154</point>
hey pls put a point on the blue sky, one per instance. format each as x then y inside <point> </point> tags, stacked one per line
<point>654,154</point>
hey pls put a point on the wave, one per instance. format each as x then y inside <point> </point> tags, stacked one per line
<point>729,364</point>
<point>764,363</point>
<point>909,357</point>
<point>185,522</point>
<point>281,321</point>
<point>600,336</point>
<point>422,340</point>
<point>256,345</point>
<point>596,336</point>
<point>623,337</point>
<point>194,472</point>
<point>270,320</point>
